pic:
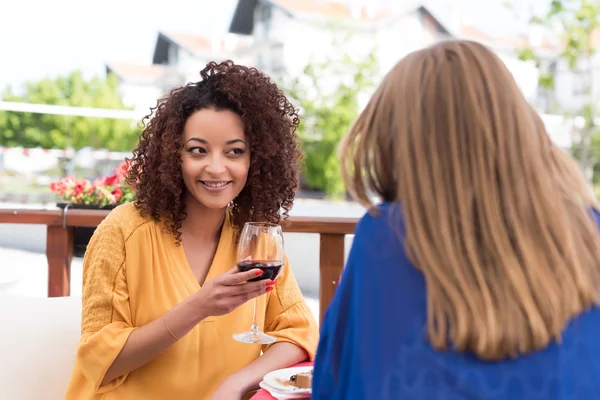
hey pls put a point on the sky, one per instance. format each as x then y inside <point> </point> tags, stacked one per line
<point>40,38</point>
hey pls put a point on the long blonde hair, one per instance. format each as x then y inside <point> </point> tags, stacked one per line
<point>497,218</point>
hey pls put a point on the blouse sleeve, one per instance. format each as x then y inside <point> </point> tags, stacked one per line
<point>288,317</point>
<point>106,316</point>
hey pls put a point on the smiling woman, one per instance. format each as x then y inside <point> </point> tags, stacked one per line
<point>161,300</point>
<point>215,157</point>
<point>254,110</point>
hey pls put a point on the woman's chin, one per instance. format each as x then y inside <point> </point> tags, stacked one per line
<point>212,202</point>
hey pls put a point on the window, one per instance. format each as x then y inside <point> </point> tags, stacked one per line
<point>173,57</point>
<point>579,85</point>
<point>265,14</point>
<point>260,63</point>
<point>264,21</point>
<point>277,62</point>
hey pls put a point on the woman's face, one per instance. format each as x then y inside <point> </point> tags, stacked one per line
<point>215,157</point>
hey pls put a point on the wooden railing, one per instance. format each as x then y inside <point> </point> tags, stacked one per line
<point>59,243</point>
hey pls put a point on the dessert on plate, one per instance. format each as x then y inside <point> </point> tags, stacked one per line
<point>289,383</point>
<point>302,380</point>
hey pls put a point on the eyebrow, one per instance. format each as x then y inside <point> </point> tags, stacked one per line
<point>195,139</point>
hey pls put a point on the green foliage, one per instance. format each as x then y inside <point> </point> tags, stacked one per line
<point>578,21</point>
<point>527,54</point>
<point>58,131</point>
<point>328,95</point>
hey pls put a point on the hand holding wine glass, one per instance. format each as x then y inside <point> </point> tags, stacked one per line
<point>224,293</point>
<point>260,247</point>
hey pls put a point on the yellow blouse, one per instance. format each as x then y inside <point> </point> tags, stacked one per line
<point>134,272</point>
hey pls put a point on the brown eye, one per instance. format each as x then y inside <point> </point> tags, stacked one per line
<point>197,150</point>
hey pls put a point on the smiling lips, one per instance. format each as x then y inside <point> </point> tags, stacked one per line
<point>215,186</point>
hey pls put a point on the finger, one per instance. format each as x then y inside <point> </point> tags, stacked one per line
<point>236,269</point>
<point>251,287</point>
<point>236,277</point>
<point>232,271</point>
<point>244,297</point>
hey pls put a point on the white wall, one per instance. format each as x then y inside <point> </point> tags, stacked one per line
<point>569,85</point>
<point>403,37</point>
<point>560,129</point>
<point>526,74</point>
<point>139,96</point>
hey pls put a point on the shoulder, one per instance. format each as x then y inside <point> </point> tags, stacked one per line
<point>380,232</point>
<point>382,220</point>
<point>123,221</point>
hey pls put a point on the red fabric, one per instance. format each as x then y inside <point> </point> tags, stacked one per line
<point>264,395</point>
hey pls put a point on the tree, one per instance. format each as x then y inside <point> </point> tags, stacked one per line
<point>58,131</point>
<point>578,20</point>
<point>328,93</point>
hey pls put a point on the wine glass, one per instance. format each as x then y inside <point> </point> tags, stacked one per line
<point>261,247</point>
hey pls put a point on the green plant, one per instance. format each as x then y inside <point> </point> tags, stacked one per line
<point>328,94</point>
<point>60,131</point>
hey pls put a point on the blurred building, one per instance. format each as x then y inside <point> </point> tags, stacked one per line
<point>281,37</point>
<point>287,33</point>
<point>177,59</point>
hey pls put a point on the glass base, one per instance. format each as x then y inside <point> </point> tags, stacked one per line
<point>254,337</point>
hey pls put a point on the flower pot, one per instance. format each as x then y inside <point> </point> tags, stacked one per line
<point>76,206</point>
<point>82,234</point>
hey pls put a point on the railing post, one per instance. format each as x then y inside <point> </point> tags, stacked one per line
<point>331,263</point>
<point>59,252</point>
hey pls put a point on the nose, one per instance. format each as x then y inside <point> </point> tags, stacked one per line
<point>216,165</point>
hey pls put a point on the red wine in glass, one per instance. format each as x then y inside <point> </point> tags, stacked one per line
<point>270,269</point>
<point>261,247</point>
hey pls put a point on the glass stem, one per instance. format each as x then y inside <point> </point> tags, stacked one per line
<point>254,327</point>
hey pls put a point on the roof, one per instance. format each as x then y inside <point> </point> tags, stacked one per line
<point>326,8</point>
<point>473,33</point>
<point>518,41</point>
<point>137,72</point>
<point>242,21</point>
<point>440,27</point>
<point>195,45</point>
<point>514,42</point>
<point>243,17</point>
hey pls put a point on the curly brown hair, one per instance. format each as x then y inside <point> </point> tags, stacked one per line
<point>270,123</point>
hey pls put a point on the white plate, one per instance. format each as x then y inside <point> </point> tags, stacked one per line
<point>283,396</point>
<point>274,379</point>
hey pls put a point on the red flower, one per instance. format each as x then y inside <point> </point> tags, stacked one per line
<point>78,188</point>
<point>123,169</point>
<point>108,190</point>
<point>117,193</point>
<point>58,187</point>
<point>111,180</point>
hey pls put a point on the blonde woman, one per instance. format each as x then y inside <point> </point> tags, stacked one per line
<point>479,275</point>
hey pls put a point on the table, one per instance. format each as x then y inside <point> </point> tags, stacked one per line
<point>264,395</point>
